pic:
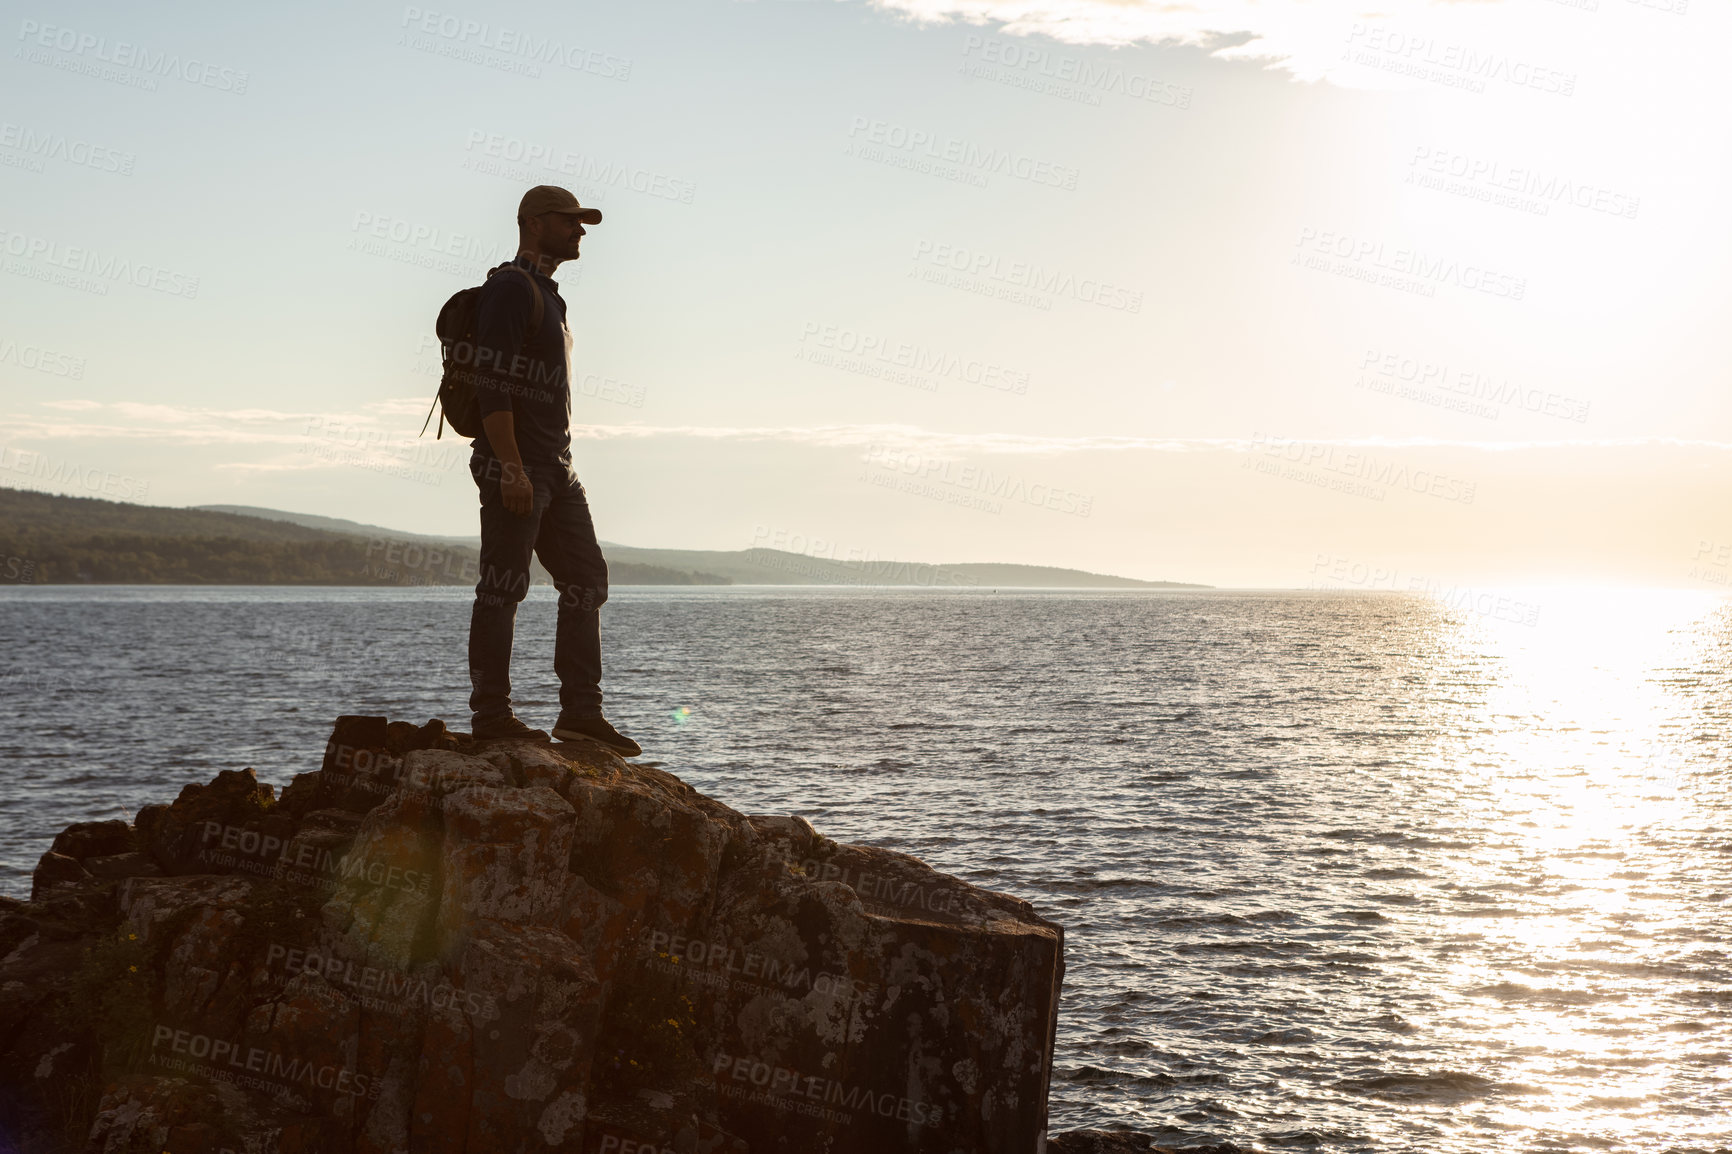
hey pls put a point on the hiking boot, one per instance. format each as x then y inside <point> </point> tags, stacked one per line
<point>508,726</point>
<point>597,730</point>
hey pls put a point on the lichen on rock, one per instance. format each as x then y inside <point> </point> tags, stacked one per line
<point>437,944</point>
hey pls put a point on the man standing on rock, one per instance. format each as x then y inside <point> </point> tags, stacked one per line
<point>531,501</point>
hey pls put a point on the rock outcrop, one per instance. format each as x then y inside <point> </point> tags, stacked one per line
<point>433,944</point>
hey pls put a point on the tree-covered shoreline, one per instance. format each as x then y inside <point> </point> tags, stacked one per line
<point>48,539</point>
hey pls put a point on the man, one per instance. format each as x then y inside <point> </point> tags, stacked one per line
<point>531,500</point>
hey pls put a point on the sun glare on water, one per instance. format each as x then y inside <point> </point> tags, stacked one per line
<point>1593,788</point>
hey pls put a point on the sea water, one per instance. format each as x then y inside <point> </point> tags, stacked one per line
<point>1336,871</point>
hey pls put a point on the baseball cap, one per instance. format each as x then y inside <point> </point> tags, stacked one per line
<point>551,198</point>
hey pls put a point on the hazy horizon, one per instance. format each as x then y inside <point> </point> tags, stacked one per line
<point>1242,296</point>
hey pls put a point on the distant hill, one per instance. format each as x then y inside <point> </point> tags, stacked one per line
<point>50,539</point>
<point>68,539</point>
<point>54,540</point>
<point>774,566</point>
<point>334,524</point>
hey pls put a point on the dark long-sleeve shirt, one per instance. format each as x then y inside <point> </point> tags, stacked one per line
<point>523,374</point>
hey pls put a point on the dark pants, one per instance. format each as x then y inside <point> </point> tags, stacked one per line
<point>560,532</point>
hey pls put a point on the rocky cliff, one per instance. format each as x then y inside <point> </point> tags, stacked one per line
<point>433,944</point>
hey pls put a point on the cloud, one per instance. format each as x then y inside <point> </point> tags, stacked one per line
<point>190,425</point>
<point>1307,38</point>
<point>371,433</point>
<point>295,466</point>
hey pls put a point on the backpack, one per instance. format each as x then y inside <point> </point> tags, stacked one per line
<point>455,327</point>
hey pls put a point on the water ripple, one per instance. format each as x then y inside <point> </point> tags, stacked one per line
<point>1338,872</point>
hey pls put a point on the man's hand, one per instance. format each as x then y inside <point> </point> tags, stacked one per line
<point>515,488</point>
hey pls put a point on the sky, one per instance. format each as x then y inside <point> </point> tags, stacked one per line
<point>1290,293</point>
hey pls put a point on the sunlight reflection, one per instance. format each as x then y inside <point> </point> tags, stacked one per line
<point>1575,775</point>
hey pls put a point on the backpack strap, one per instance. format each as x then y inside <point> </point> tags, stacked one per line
<point>538,306</point>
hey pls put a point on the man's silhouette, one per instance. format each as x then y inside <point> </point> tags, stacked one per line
<point>531,500</point>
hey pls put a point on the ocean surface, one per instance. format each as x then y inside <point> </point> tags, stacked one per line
<point>1337,871</point>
